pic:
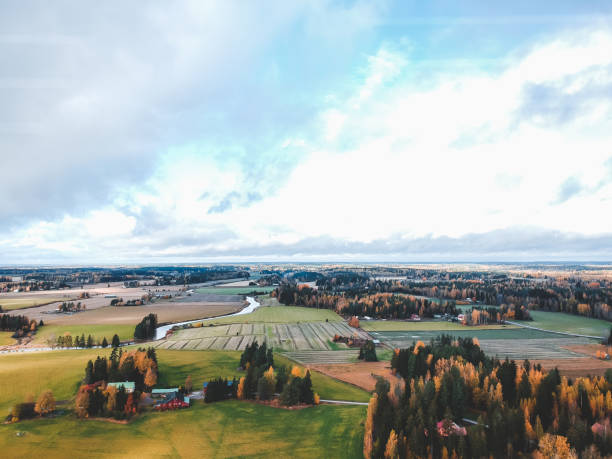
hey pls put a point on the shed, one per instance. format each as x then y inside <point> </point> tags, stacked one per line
<point>158,393</point>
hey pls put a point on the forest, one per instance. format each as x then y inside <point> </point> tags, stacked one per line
<point>379,305</point>
<point>512,409</point>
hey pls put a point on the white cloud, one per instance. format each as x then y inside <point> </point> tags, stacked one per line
<point>395,159</point>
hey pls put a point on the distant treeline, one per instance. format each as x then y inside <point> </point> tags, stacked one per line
<point>16,323</point>
<point>380,305</point>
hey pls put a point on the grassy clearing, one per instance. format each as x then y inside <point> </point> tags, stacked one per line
<point>5,338</point>
<point>11,304</point>
<point>61,371</point>
<point>281,314</point>
<point>234,290</point>
<point>224,429</point>
<point>97,332</point>
<point>400,325</point>
<point>569,323</point>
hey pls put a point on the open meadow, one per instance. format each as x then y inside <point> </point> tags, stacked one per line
<point>25,301</point>
<point>569,323</point>
<point>62,371</point>
<point>223,429</point>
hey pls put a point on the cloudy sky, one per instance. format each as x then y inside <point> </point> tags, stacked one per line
<point>316,130</point>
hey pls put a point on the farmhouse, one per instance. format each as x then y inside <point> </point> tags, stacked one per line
<point>172,401</point>
<point>128,386</point>
<point>160,393</point>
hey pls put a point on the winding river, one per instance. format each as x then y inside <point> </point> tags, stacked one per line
<point>160,332</point>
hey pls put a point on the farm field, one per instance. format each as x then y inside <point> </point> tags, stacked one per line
<point>5,338</point>
<point>281,336</point>
<point>166,312</point>
<point>12,304</point>
<point>234,290</point>
<point>51,332</point>
<point>360,374</point>
<point>569,323</point>
<point>402,325</point>
<point>61,372</point>
<point>281,314</point>
<point>223,429</point>
<point>517,343</point>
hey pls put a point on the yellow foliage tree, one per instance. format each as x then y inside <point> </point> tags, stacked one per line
<point>555,446</point>
<point>392,448</point>
<point>368,440</point>
<point>150,378</point>
<point>240,392</point>
<point>296,372</point>
<point>45,403</point>
<point>317,399</point>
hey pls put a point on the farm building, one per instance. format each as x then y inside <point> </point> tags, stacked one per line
<point>160,393</point>
<point>172,401</point>
<point>127,385</point>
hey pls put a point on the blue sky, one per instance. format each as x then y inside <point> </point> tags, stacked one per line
<point>359,131</point>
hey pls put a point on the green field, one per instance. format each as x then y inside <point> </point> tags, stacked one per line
<point>482,334</point>
<point>223,429</point>
<point>399,325</point>
<point>97,332</point>
<point>280,314</point>
<point>11,304</point>
<point>5,338</point>
<point>569,323</point>
<point>61,372</point>
<point>233,290</point>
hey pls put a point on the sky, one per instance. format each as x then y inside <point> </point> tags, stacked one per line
<point>305,131</point>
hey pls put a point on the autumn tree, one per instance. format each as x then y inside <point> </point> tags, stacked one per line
<point>150,378</point>
<point>45,403</point>
<point>241,392</point>
<point>188,385</point>
<point>82,403</point>
<point>392,448</point>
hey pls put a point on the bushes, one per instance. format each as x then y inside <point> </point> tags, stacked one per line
<point>220,389</point>
<point>146,328</point>
<point>367,352</point>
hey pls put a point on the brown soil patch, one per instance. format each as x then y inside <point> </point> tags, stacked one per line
<point>360,374</point>
<point>166,313</point>
<point>574,368</point>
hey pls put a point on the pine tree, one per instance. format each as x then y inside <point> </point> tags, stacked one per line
<point>116,342</point>
<point>104,342</point>
<point>89,341</point>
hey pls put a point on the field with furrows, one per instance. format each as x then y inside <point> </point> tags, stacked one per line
<point>281,336</point>
<point>323,357</point>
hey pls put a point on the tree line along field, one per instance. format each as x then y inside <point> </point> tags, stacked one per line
<point>48,333</point>
<point>62,372</point>
<point>224,429</point>
<point>280,336</point>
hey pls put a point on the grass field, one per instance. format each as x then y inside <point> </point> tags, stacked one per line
<point>400,325</point>
<point>97,332</point>
<point>11,304</point>
<point>281,314</point>
<point>569,323</point>
<point>61,372</point>
<point>5,338</point>
<point>234,290</point>
<point>481,334</point>
<point>224,429</point>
